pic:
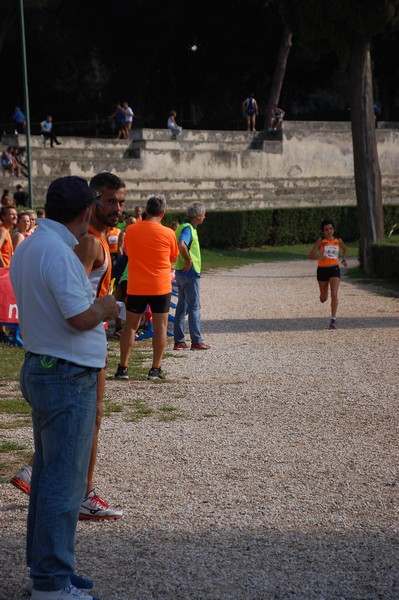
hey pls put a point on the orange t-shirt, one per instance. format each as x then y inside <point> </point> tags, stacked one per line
<point>330,252</point>
<point>7,250</point>
<point>151,249</point>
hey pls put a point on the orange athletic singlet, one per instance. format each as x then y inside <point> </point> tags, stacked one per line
<point>100,278</point>
<point>7,250</point>
<point>112,238</point>
<point>330,251</point>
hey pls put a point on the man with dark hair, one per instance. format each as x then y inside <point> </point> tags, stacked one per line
<point>9,219</point>
<point>151,249</point>
<point>21,198</point>
<point>94,253</point>
<point>65,343</point>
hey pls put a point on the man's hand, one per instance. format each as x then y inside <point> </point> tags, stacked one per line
<point>109,307</point>
<point>102,309</point>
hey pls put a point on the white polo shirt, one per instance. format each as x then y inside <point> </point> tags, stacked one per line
<point>50,286</point>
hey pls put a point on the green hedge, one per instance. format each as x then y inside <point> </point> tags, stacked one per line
<point>386,260</point>
<point>278,226</point>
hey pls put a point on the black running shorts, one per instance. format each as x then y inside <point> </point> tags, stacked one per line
<point>324,273</point>
<point>158,304</point>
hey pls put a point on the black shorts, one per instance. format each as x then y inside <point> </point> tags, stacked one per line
<point>324,273</point>
<point>158,304</point>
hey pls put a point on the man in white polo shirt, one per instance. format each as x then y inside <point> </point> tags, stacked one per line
<point>63,333</point>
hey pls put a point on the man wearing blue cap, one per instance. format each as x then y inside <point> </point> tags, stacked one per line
<point>59,380</point>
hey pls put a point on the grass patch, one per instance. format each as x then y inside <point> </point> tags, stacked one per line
<point>138,410</point>
<point>170,413</point>
<point>14,406</point>
<point>11,362</point>
<point>237,257</point>
<point>112,407</point>
<point>391,288</point>
<point>6,446</point>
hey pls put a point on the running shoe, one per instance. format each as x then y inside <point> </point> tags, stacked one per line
<point>332,324</point>
<point>155,373</point>
<point>68,593</point>
<point>199,346</point>
<point>180,346</point>
<point>121,373</point>
<point>94,508</point>
<point>22,479</point>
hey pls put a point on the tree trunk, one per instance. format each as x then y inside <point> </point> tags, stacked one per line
<point>365,155</point>
<point>279,74</point>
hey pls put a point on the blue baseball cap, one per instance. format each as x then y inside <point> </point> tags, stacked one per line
<point>72,193</point>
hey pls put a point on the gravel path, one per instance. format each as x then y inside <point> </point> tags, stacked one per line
<point>277,478</point>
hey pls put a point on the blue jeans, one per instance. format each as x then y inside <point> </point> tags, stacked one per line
<point>63,402</point>
<point>188,304</point>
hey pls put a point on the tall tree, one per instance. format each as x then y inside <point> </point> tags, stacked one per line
<point>348,26</point>
<point>280,70</point>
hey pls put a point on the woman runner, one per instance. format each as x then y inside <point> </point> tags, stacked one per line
<point>326,251</point>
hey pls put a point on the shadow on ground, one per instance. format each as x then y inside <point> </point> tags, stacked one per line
<point>227,565</point>
<point>295,324</point>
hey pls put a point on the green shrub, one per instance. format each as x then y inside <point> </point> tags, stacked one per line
<point>386,260</point>
<point>279,226</point>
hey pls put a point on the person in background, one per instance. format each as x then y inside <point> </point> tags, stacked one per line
<point>277,118</point>
<point>20,120</point>
<point>119,116</point>
<point>250,111</point>
<point>151,248</point>
<point>173,126</point>
<point>47,131</point>
<point>21,232</point>
<point>129,114</point>
<point>20,196</point>
<point>41,213</point>
<point>326,251</point>
<point>33,220</point>
<point>9,219</point>
<point>66,346</point>
<point>7,199</point>
<point>187,274</point>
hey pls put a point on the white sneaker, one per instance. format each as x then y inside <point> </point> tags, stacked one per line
<point>94,508</point>
<point>68,593</point>
<point>22,479</point>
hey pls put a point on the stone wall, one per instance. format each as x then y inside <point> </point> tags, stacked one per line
<point>310,163</point>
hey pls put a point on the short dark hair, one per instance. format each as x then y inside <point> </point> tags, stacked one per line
<point>106,179</point>
<point>327,222</point>
<point>155,205</point>
<point>4,209</point>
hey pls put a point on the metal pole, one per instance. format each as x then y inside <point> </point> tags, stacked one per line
<point>26,96</point>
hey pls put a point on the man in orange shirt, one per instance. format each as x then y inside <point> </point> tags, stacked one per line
<point>151,249</point>
<point>9,219</point>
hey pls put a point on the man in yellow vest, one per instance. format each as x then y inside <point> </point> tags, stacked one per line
<point>188,273</point>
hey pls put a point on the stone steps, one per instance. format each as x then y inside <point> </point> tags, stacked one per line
<point>305,165</point>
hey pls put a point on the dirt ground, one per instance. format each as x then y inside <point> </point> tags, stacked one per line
<point>265,468</point>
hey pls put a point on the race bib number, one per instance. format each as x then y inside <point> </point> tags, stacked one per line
<point>331,251</point>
